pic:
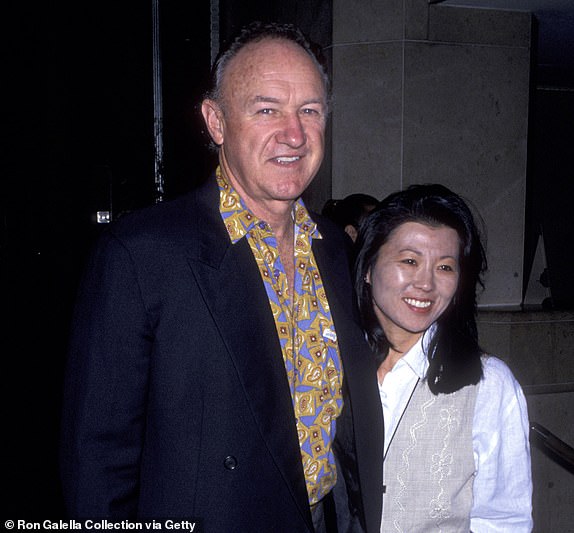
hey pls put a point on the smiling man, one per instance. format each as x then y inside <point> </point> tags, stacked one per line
<point>217,371</point>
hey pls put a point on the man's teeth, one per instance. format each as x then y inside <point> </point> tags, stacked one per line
<point>287,159</point>
<point>418,303</point>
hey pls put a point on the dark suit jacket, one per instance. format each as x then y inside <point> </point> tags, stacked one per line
<point>176,400</point>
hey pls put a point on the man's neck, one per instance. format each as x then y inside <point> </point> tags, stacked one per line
<point>280,218</point>
<point>277,213</point>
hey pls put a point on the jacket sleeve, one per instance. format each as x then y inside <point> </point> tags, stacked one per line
<point>105,388</point>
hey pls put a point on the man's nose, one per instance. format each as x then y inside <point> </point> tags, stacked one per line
<point>292,132</point>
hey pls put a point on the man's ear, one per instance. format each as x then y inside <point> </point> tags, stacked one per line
<point>351,231</point>
<point>213,116</point>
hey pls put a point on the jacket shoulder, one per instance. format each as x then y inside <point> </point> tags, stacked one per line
<point>180,218</point>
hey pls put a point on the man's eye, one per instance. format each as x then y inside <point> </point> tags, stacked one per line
<point>265,111</point>
<point>409,261</point>
<point>310,111</point>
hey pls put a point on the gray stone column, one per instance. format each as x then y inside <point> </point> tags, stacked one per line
<point>435,93</point>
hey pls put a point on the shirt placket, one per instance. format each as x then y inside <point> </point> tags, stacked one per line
<point>267,246</point>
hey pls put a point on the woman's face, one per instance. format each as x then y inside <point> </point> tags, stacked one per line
<point>414,279</point>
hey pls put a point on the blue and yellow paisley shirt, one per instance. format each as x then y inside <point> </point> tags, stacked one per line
<point>305,328</point>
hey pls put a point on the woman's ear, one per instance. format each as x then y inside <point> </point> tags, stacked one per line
<point>213,117</point>
<point>368,277</point>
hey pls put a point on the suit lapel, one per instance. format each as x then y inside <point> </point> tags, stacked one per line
<point>363,435</point>
<point>233,290</point>
<point>333,265</point>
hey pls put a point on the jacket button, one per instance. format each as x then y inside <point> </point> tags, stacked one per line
<point>230,462</point>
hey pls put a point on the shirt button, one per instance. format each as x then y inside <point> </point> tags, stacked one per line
<point>230,462</point>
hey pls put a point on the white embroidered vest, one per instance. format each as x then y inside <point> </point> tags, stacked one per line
<point>429,467</point>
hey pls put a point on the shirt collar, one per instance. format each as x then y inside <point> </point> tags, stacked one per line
<point>239,220</point>
<point>416,358</point>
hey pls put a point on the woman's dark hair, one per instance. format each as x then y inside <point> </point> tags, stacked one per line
<point>258,31</point>
<point>453,353</point>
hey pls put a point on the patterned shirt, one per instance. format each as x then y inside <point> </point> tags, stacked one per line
<point>305,329</point>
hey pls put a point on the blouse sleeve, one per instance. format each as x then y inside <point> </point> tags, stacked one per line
<point>503,484</point>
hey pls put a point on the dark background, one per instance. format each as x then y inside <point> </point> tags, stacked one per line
<point>77,138</point>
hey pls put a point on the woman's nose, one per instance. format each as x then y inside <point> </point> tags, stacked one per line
<point>424,278</point>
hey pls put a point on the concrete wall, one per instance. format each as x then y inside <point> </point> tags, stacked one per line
<point>431,93</point>
<point>539,348</point>
<point>434,93</point>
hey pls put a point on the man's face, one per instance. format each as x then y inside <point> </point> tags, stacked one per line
<point>270,124</point>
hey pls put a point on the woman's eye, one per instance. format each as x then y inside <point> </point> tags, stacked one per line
<point>446,268</point>
<point>409,261</point>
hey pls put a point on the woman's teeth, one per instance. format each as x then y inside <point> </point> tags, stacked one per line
<point>418,303</point>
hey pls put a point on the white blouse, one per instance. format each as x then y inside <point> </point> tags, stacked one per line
<point>502,489</point>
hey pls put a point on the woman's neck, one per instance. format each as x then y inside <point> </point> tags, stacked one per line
<point>400,345</point>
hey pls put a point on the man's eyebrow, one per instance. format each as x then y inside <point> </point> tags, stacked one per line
<point>273,100</point>
<point>318,100</point>
<point>267,99</point>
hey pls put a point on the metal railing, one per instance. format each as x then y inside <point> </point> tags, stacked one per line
<point>554,447</point>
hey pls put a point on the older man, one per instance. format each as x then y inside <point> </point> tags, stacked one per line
<point>216,369</point>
